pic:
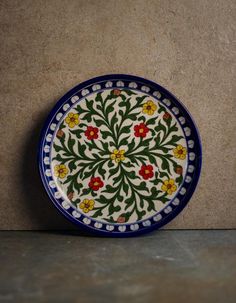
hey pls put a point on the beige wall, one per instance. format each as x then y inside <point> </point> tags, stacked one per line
<point>47,47</point>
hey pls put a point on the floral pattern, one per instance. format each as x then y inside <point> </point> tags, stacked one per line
<point>169,186</point>
<point>146,171</point>
<point>180,152</point>
<point>86,205</point>
<point>60,171</point>
<point>149,108</point>
<point>96,183</point>
<point>119,156</point>
<point>91,133</point>
<point>72,120</point>
<point>141,130</point>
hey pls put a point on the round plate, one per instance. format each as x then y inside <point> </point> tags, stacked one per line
<point>119,155</point>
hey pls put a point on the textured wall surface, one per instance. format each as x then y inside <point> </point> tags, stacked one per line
<point>47,47</point>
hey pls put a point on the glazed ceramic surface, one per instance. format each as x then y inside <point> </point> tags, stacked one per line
<point>119,155</point>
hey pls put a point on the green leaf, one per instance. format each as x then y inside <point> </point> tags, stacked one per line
<point>151,121</point>
<point>122,104</point>
<point>110,163</point>
<point>141,203</point>
<point>156,181</point>
<point>174,140</point>
<point>99,107</point>
<point>86,175</point>
<point>72,165</point>
<point>179,180</point>
<point>119,198</point>
<point>129,202</point>
<point>141,214</point>
<point>99,97</point>
<point>80,110</point>
<point>71,143</point>
<point>161,108</point>
<point>121,113</point>
<point>113,171</point>
<point>102,199</point>
<point>131,175</point>
<point>160,127</point>
<point>152,159</point>
<point>78,186</point>
<point>57,147</point>
<point>89,104</point>
<point>124,141</point>
<point>112,209</point>
<point>77,132</point>
<point>104,145</point>
<point>81,149</point>
<point>60,159</point>
<point>142,186</point>
<point>154,191</point>
<point>114,120</point>
<point>125,129</point>
<point>62,125</point>
<point>117,208</point>
<point>110,108</point>
<point>165,164</point>
<point>142,118</point>
<point>126,188</point>
<point>110,220</point>
<point>173,128</point>
<point>151,206</point>
<point>109,189</point>
<point>131,145</point>
<point>97,213</point>
<point>132,117</point>
<point>127,164</point>
<point>163,199</point>
<point>88,117</point>
<point>101,171</point>
<point>158,140</point>
<point>94,194</point>
<point>99,122</point>
<point>123,97</point>
<point>106,134</point>
<point>140,99</point>
<point>129,92</point>
<point>147,141</point>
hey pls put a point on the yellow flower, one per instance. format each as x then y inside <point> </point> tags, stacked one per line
<point>149,107</point>
<point>86,205</point>
<point>72,120</point>
<point>118,155</point>
<point>169,186</point>
<point>180,152</point>
<point>60,171</point>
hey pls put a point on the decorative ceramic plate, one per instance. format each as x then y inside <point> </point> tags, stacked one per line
<point>119,155</point>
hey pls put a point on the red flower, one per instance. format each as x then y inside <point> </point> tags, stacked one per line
<point>166,116</point>
<point>91,132</point>
<point>141,130</point>
<point>96,183</point>
<point>146,171</point>
<point>116,92</point>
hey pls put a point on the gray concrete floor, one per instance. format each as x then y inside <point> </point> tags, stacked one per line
<point>164,266</point>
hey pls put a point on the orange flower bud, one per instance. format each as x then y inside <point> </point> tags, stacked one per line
<point>60,133</point>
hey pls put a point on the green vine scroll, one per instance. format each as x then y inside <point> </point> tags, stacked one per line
<point>119,155</point>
